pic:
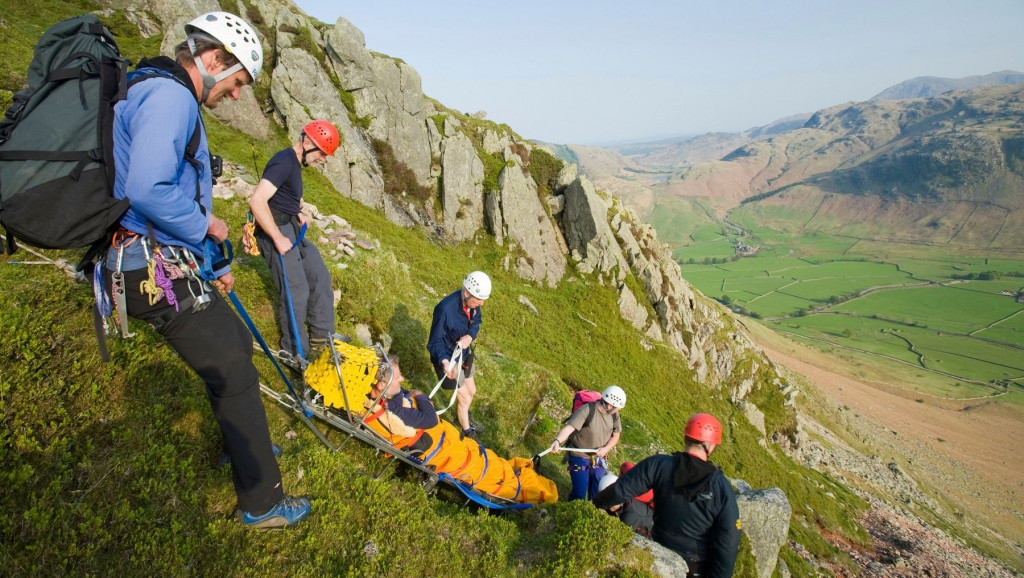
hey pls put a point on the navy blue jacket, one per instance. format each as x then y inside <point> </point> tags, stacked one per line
<point>422,416</point>
<point>449,325</point>
<point>696,513</point>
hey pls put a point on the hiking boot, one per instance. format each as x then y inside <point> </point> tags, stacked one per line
<point>471,433</point>
<point>473,425</point>
<point>225,459</point>
<point>317,345</point>
<point>287,512</point>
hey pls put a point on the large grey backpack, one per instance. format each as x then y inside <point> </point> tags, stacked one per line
<point>56,141</point>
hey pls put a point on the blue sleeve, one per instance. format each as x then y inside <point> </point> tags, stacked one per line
<point>438,329</point>
<point>160,130</point>
<point>422,416</point>
<point>725,533</point>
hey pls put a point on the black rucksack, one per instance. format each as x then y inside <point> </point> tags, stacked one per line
<point>56,141</point>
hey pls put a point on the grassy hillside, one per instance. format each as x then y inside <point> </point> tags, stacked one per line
<point>110,467</point>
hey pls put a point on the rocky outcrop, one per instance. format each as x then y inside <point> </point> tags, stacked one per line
<point>590,240</point>
<point>527,225</point>
<point>388,92</point>
<point>765,517</point>
<point>461,187</point>
<point>630,309</point>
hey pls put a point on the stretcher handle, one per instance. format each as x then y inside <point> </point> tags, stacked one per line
<point>561,449</point>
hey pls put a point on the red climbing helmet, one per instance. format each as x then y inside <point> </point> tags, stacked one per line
<point>703,427</point>
<point>324,136</point>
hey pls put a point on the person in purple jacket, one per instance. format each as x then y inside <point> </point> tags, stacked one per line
<point>163,168</point>
<point>457,321</point>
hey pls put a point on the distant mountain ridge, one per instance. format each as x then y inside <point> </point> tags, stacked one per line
<point>927,170</point>
<point>928,86</point>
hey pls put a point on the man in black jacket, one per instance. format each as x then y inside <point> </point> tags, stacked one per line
<point>697,516</point>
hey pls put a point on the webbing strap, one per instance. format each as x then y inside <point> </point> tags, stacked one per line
<point>469,493</point>
<point>437,449</point>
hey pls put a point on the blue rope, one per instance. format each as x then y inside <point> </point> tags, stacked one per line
<point>212,251</point>
<point>469,493</point>
<point>288,295</point>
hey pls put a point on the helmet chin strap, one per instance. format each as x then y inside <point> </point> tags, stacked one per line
<point>210,81</point>
<point>306,151</point>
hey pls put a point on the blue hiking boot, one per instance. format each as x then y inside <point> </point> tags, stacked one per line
<point>287,512</point>
<point>225,459</point>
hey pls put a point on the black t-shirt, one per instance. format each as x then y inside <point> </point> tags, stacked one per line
<point>284,172</point>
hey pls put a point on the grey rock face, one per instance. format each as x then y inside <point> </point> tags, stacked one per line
<point>590,240</point>
<point>462,191</point>
<point>493,142</point>
<point>765,517</point>
<point>528,226</point>
<point>630,309</point>
<point>754,415</point>
<point>244,114</point>
<point>387,91</point>
<point>493,218</point>
<point>666,563</point>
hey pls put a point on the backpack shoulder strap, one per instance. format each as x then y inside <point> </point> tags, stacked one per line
<point>192,148</point>
<point>590,413</point>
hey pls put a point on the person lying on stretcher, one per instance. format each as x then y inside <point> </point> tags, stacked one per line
<point>401,414</point>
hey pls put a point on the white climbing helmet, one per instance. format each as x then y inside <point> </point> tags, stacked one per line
<point>237,37</point>
<point>606,481</point>
<point>614,395</point>
<point>478,284</point>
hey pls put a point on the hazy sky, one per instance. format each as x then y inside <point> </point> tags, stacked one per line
<point>597,71</point>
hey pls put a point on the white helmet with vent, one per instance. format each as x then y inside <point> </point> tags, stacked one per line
<point>478,284</point>
<point>236,36</point>
<point>614,395</point>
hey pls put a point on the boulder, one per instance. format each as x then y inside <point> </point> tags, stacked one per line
<point>667,563</point>
<point>765,516</point>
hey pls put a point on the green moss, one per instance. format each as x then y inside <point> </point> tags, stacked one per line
<point>544,168</point>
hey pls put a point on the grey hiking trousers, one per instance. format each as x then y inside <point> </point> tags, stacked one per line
<point>309,283</point>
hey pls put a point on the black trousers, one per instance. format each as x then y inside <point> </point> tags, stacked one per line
<point>218,346</point>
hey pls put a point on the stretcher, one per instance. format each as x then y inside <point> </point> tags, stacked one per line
<point>336,392</point>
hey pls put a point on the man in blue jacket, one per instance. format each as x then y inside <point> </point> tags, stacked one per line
<point>163,168</point>
<point>696,516</point>
<point>457,321</point>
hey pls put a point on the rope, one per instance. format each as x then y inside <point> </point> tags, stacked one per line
<point>211,250</point>
<point>249,236</point>
<point>456,360</point>
<point>288,297</point>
